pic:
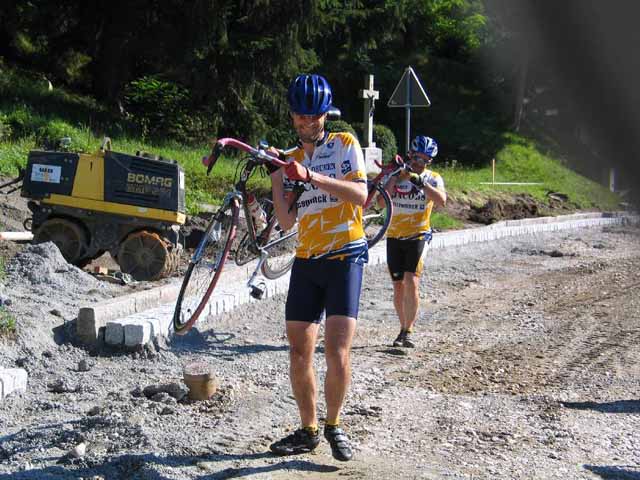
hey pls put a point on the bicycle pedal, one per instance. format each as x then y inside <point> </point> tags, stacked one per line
<point>257,292</point>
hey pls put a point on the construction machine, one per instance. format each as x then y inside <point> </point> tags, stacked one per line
<point>131,206</point>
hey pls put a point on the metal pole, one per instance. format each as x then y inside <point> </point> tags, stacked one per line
<point>493,171</point>
<point>408,111</point>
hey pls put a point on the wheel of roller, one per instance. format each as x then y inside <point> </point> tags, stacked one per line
<point>145,256</point>
<point>69,237</point>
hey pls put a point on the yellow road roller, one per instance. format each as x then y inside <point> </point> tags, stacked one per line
<point>131,206</point>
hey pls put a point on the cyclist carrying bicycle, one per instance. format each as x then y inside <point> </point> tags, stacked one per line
<point>413,194</point>
<point>327,272</point>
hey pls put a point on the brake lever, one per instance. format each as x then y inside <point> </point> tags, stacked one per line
<point>213,158</point>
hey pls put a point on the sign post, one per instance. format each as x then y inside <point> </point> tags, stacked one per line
<point>370,151</point>
<point>408,93</point>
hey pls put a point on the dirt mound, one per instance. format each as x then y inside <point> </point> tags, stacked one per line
<point>497,209</point>
<point>45,293</point>
<point>42,266</point>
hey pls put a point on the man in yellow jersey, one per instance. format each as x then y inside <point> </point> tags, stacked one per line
<point>327,273</point>
<point>413,195</point>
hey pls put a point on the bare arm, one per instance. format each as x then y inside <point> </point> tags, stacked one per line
<point>439,197</point>
<point>286,218</point>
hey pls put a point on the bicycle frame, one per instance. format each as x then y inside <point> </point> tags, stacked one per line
<point>386,172</point>
<point>258,156</point>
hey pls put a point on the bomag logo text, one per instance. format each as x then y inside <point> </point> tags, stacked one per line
<point>141,178</point>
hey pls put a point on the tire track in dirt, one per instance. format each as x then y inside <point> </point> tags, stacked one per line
<point>551,351</point>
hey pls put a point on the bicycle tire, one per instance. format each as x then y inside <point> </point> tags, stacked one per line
<point>202,274</point>
<point>376,218</point>
<point>242,255</point>
<point>275,266</point>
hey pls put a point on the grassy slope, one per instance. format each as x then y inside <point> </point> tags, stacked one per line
<point>30,113</point>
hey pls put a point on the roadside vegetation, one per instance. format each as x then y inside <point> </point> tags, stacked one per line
<point>7,324</point>
<point>32,117</point>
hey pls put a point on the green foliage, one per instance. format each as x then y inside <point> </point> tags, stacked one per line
<point>385,139</point>
<point>161,110</point>
<point>158,108</point>
<point>442,221</point>
<point>5,128</point>
<point>7,324</point>
<point>3,272</point>
<point>14,155</point>
<point>50,134</point>
<point>340,126</point>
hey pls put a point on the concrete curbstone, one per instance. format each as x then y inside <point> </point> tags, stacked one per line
<point>114,333</point>
<point>135,334</point>
<point>92,318</point>
<point>139,328</point>
<point>12,380</point>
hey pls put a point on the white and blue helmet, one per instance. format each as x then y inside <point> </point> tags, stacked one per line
<point>425,145</point>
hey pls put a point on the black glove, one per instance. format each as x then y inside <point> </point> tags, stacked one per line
<point>416,180</point>
<point>271,167</point>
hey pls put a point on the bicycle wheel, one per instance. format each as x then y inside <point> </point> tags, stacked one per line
<point>205,267</point>
<point>376,214</point>
<point>281,247</point>
<point>243,254</point>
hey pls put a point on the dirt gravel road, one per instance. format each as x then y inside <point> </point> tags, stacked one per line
<point>527,366</point>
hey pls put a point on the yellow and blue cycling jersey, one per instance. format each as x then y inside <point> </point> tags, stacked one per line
<point>328,227</point>
<point>411,210</point>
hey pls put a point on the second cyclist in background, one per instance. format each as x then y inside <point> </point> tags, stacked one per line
<point>327,271</point>
<point>413,195</point>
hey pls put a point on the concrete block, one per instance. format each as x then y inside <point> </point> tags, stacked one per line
<point>91,319</point>
<point>114,333</point>
<point>146,300</point>
<point>137,333</point>
<point>12,380</point>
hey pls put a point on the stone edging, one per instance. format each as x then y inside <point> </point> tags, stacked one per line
<point>133,324</point>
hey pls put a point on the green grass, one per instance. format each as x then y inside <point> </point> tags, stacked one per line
<point>30,114</point>
<point>7,324</point>
<point>442,221</point>
<point>520,161</point>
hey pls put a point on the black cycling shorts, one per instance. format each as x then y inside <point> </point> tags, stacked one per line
<point>320,284</point>
<point>404,256</point>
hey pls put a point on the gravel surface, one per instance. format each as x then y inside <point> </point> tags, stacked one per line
<point>526,367</point>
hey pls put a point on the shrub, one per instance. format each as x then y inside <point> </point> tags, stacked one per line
<point>159,109</point>
<point>385,139</point>
<point>23,122</point>
<point>340,126</point>
<point>50,134</point>
<point>5,128</point>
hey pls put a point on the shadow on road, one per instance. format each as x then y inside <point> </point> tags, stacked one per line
<point>149,466</point>
<point>618,472</point>
<point>619,406</point>
<point>217,344</point>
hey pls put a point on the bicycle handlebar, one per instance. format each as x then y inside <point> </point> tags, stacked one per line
<point>394,166</point>
<point>258,153</point>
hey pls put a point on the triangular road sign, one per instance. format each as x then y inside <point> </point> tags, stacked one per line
<point>409,92</point>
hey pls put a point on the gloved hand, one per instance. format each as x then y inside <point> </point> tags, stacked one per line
<point>297,171</point>
<point>416,180</point>
<point>271,168</point>
<point>404,173</point>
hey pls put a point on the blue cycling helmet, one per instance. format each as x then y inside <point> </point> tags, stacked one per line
<point>425,145</point>
<point>309,95</point>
